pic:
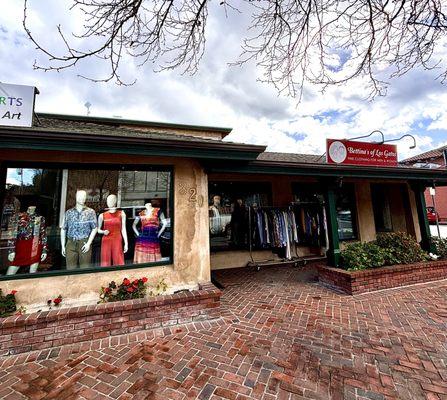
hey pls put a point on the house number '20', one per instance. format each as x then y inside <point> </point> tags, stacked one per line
<point>194,198</point>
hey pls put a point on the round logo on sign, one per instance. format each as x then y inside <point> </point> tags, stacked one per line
<point>338,152</point>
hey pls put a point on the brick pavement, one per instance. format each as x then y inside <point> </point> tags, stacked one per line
<point>280,337</point>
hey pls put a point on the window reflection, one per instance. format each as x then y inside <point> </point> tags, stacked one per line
<point>56,220</point>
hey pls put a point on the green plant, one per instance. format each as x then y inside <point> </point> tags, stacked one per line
<point>400,248</point>
<point>8,304</point>
<point>159,288</point>
<point>358,256</point>
<point>440,246</point>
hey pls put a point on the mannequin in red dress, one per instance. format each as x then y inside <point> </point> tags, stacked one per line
<point>112,224</point>
<point>29,244</point>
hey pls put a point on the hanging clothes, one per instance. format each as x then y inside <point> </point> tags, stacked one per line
<point>276,228</point>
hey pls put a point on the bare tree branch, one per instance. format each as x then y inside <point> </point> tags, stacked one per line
<point>293,42</point>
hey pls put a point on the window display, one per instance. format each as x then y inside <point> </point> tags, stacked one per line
<point>56,219</point>
<point>228,205</point>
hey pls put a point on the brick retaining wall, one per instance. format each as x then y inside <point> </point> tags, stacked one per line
<point>355,282</point>
<point>37,331</point>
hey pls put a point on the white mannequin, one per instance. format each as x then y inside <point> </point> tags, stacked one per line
<point>111,204</point>
<point>148,211</point>
<point>12,270</point>
<point>81,197</point>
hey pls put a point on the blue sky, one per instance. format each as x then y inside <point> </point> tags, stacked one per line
<point>220,95</point>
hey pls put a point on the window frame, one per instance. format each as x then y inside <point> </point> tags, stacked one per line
<point>352,188</point>
<point>4,166</point>
<point>382,187</point>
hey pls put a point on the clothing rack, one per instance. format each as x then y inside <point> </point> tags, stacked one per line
<point>295,260</point>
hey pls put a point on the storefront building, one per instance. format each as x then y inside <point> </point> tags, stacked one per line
<point>432,159</point>
<point>178,201</point>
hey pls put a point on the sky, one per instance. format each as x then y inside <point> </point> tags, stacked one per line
<point>220,95</point>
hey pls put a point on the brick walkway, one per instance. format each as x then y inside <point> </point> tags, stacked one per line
<point>280,338</point>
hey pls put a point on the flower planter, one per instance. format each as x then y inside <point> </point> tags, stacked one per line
<point>356,282</point>
<point>37,331</point>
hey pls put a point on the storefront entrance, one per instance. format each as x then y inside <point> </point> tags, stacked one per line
<point>258,220</point>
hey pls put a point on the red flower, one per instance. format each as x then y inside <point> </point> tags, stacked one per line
<point>130,289</point>
<point>13,292</point>
<point>107,290</point>
<point>144,279</point>
<point>57,300</point>
<point>135,282</point>
<point>126,282</point>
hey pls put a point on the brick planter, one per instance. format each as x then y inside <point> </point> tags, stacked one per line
<point>355,282</point>
<point>37,331</point>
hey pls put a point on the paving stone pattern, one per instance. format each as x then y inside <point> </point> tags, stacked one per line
<point>280,337</point>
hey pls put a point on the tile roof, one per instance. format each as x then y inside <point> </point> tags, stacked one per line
<point>428,155</point>
<point>98,128</point>
<point>292,158</point>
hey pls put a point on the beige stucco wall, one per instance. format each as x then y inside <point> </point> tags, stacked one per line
<point>191,247</point>
<point>402,204</point>
<point>365,213</point>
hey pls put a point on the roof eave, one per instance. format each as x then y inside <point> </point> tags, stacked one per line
<point>153,124</point>
<point>52,140</point>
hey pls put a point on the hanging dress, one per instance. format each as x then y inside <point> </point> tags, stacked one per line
<point>112,244</point>
<point>147,246</point>
<point>29,239</point>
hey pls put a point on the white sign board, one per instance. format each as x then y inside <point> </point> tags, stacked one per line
<point>16,105</point>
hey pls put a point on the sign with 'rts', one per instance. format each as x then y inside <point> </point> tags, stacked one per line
<point>16,105</point>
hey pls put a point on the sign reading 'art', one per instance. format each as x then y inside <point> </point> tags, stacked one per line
<point>360,153</point>
<point>16,105</point>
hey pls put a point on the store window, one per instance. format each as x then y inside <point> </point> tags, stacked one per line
<point>381,208</point>
<point>75,219</point>
<point>346,212</point>
<point>228,211</point>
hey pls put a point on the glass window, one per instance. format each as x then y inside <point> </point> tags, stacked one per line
<point>346,212</point>
<point>228,202</point>
<point>381,208</point>
<point>57,219</point>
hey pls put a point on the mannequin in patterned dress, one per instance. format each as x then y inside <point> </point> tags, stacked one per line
<point>147,246</point>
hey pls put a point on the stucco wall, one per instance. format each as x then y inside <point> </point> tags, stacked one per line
<point>365,213</point>
<point>402,204</point>
<point>191,247</point>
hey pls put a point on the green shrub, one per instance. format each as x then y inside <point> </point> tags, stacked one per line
<point>440,246</point>
<point>388,249</point>
<point>400,248</point>
<point>358,256</point>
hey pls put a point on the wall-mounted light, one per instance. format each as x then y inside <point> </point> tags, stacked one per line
<point>406,135</point>
<point>370,134</point>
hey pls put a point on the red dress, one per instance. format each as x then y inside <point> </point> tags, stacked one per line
<point>29,239</point>
<point>112,244</point>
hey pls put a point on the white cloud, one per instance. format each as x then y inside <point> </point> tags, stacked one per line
<point>220,95</point>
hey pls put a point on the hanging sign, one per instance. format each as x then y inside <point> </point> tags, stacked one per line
<point>350,152</point>
<point>16,105</point>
